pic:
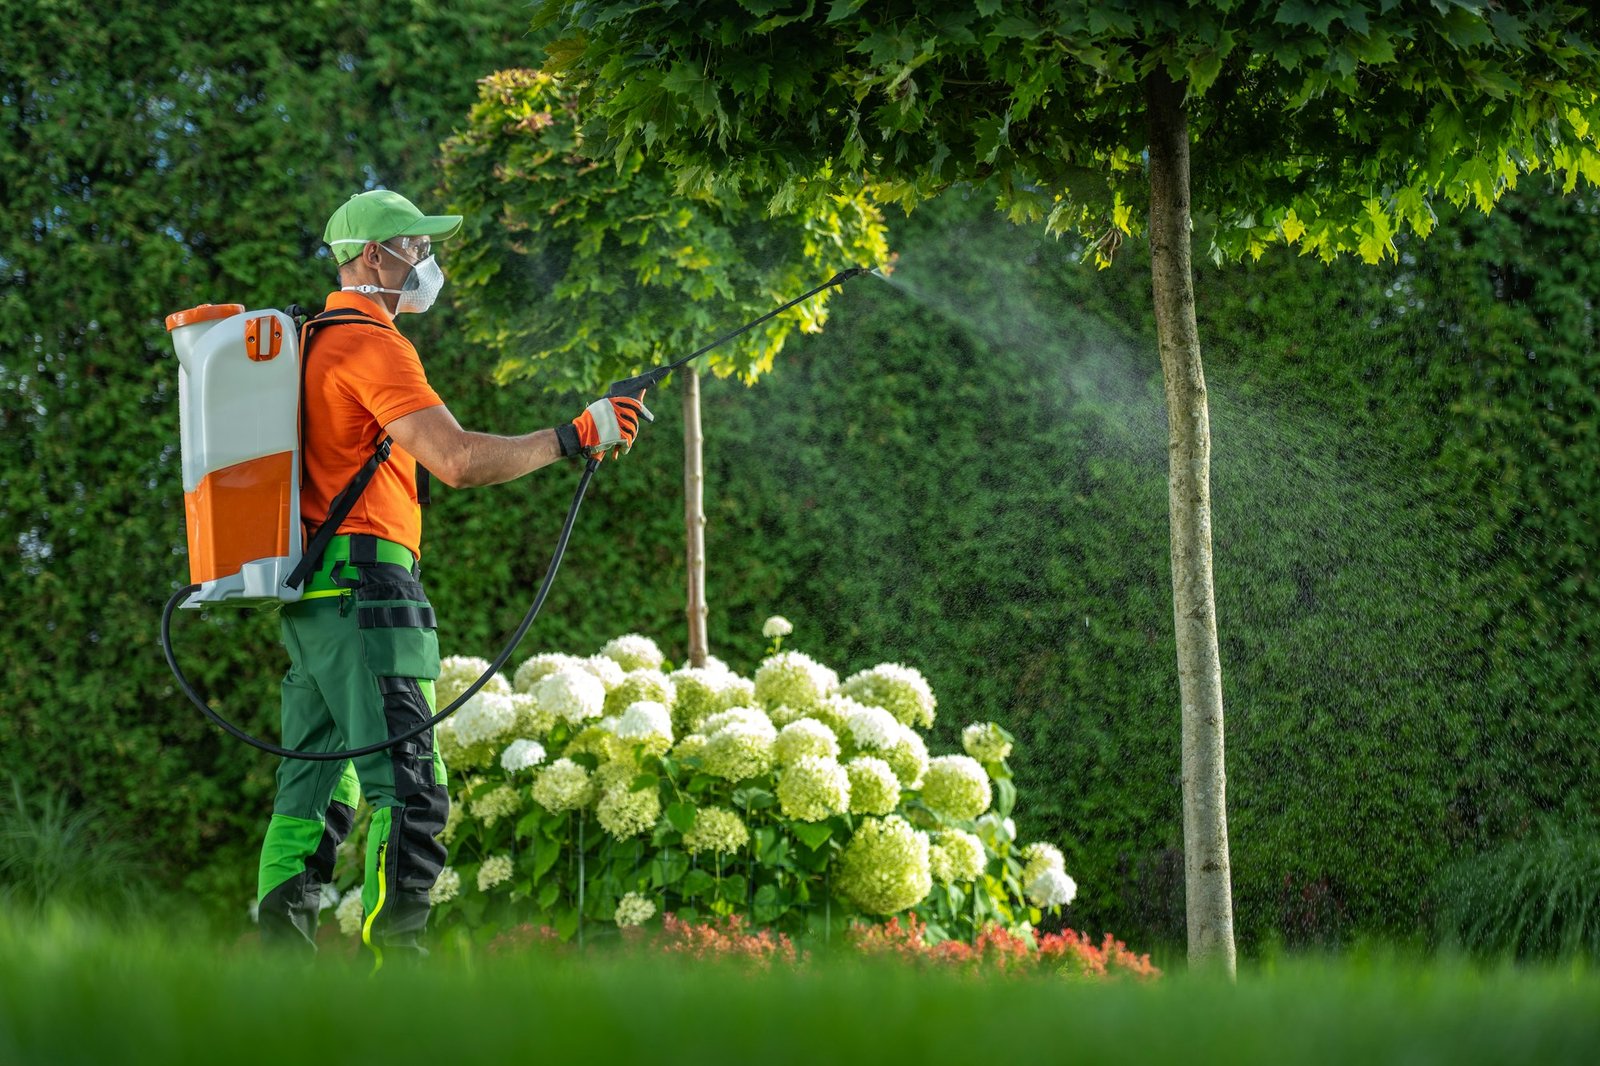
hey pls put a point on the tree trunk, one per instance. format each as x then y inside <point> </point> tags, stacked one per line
<point>1208,891</point>
<point>694,516</point>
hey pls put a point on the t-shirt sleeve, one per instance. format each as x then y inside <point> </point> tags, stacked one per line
<point>392,385</point>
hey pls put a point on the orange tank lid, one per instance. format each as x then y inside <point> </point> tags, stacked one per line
<point>203,313</point>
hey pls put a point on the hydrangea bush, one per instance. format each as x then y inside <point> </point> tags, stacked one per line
<point>595,793</point>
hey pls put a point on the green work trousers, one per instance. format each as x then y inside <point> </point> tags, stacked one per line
<point>363,657</point>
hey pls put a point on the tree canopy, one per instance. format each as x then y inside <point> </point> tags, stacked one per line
<point>583,271</point>
<point>1330,126</point>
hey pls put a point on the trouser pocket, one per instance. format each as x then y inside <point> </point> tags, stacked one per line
<point>404,709</point>
<point>397,624</point>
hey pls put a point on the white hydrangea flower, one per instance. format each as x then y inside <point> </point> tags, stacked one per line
<point>874,789</point>
<point>738,751</point>
<point>804,737</point>
<point>697,695</point>
<point>520,755</point>
<point>625,813</point>
<point>643,684</point>
<point>494,805</point>
<point>716,665</point>
<point>691,746</point>
<point>834,712</point>
<point>750,717</point>
<point>533,720</point>
<point>350,912</point>
<point>446,887</point>
<point>562,786</point>
<point>814,788</point>
<point>901,690</point>
<point>964,856</point>
<point>1051,888</point>
<point>645,720</point>
<point>458,672</point>
<point>608,670</point>
<point>776,626</point>
<point>542,666</point>
<point>716,830</point>
<point>1038,857</point>
<point>634,909</point>
<point>985,742</point>
<point>885,868</point>
<point>632,651</point>
<point>956,786</point>
<point>738,692</point>
<point>793,679</point>
<point>908,757</point>
<point>873,728</point>
<point>485,718</point>
<point>496,870</point>
<point>598,740</point>
<point>571,695</point>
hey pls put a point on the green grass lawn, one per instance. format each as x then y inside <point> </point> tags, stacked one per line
<point>73,993</point>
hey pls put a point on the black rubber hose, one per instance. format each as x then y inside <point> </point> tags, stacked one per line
<point>472,689</point>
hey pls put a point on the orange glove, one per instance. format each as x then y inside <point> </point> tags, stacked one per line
<point>608,424</point>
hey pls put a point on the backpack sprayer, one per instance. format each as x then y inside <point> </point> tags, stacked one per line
<point>239,410</point>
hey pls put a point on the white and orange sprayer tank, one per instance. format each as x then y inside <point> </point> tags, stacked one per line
<point>239,408</point>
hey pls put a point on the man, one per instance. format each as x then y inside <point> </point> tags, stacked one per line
<point>362,648</point>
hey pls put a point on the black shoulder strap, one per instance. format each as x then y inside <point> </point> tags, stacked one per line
<point>340,508</point>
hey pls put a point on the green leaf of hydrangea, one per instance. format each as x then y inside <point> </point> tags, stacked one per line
<point>812,834</point>
<point>681,815</point>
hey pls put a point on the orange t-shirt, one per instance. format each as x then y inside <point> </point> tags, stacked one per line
<point>358,379</point>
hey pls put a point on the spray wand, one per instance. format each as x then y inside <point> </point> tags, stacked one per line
<point>633,387</point>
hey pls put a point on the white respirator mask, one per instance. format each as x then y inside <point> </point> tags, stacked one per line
<point>420,289</point>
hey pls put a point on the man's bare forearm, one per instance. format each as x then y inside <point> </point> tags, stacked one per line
<point>487,459</point>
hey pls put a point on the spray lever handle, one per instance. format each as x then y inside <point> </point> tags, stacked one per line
<point>635,386</point>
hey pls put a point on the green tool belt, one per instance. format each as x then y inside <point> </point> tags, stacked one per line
<point>337,574</point>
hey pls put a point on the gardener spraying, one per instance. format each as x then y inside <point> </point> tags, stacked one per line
<point>362,648</point>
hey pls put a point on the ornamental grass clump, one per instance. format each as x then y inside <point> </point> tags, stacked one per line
<point>601,793</point>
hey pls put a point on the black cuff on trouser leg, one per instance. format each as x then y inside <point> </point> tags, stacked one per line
<point>288,914</point>
<point>413,860</point>
<point>413,855</point>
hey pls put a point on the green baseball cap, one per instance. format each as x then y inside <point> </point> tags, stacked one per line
<point>379,215</point>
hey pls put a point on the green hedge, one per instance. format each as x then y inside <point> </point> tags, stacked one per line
<point>966,472</point>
